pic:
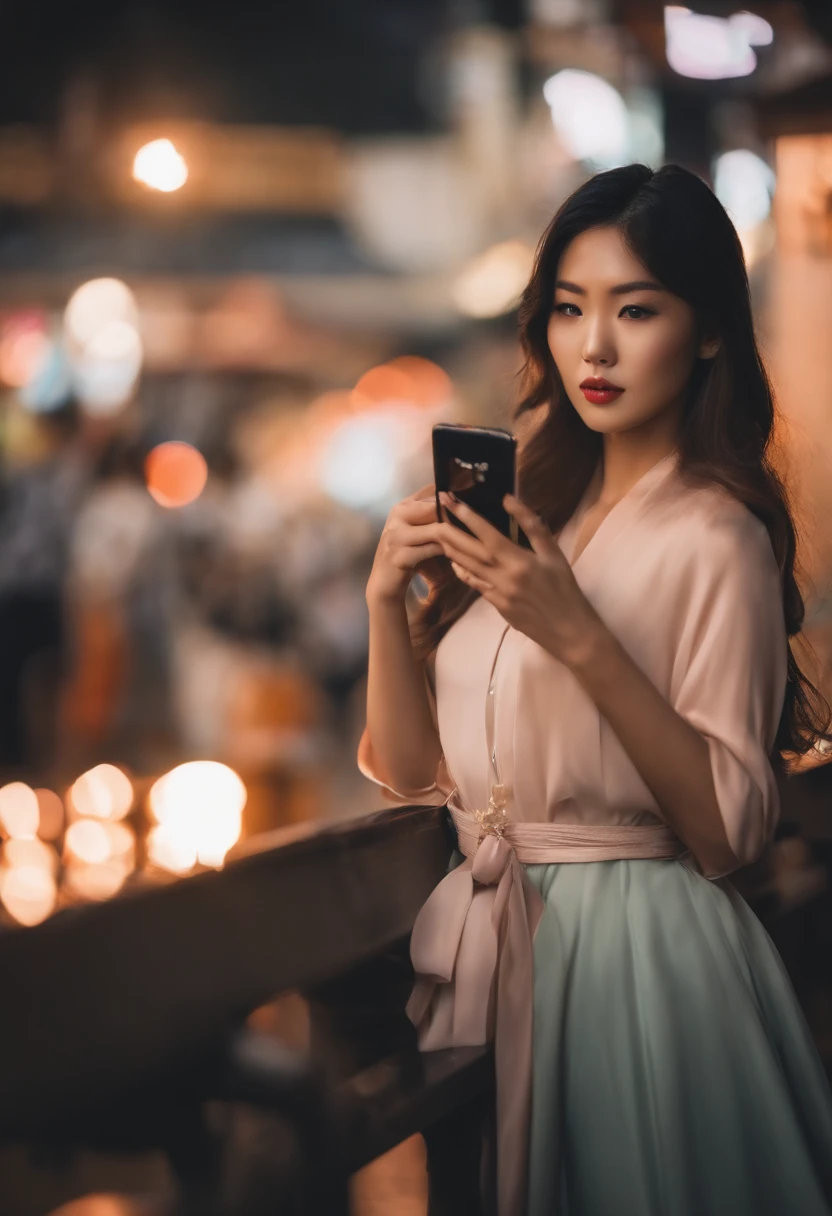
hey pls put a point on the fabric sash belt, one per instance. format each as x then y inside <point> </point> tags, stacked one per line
<point>472,951</point>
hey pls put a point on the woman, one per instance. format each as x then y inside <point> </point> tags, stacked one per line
<point>632,678</point>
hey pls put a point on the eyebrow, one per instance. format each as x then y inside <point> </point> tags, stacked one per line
<point>620,289</point>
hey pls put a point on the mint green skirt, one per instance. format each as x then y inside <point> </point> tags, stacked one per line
<point>674,1072</point>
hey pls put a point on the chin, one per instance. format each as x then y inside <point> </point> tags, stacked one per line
<point>610,419</point>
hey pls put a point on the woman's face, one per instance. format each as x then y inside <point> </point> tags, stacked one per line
<point>612,322</point>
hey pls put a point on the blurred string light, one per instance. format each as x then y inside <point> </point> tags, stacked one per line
<point>52,816</point>
<point>198,809</point>
<point>105,792</point>
<point>492,283</point>
<point>28,866</point>
<point>713,48</point>
<point>104,345</point>
<point>19,811</point>
<point>160,166</point>
<point>98,857</point>
<point>175,473</point>
<point>27,892</point>
<point>590,117</point>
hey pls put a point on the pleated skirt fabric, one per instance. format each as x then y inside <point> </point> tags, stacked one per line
<point>674,1072</point>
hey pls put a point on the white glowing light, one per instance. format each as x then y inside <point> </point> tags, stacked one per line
<point>589,116</point>
<point>492,283</point>
<point>171,850</point>
<point>744,184</point>
<point>160,166</point>
<point>96,304</point>
<point>358,466</point>
<point>104,345</point>
<point>19,810</point>
<point>105,792</point>
<point>713,48</point>
<point>198,807</point>
<point>756,30</point>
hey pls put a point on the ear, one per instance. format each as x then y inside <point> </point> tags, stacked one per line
<point>708,347</point>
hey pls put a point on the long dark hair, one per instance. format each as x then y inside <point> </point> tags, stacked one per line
<point>679,230</point>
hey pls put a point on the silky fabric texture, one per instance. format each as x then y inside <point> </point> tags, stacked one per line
<point>661,1009</point>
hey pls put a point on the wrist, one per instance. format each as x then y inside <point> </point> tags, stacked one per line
<point>380,600</point>
<point>589,650</point>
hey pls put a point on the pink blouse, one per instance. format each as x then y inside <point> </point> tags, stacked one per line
<point>686,579</point>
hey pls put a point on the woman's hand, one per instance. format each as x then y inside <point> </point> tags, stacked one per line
<point>409,538</point>
<point>534,591</point>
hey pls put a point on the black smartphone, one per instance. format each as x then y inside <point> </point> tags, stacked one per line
<point>479,465</point>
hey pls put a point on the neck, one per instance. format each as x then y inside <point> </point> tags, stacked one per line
<point>628,455</point>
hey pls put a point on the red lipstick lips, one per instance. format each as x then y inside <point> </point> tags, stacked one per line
<point>600,391</point>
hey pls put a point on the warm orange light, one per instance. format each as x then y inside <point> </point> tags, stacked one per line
<point>105,792</point>
<point>100,881</point>
<point>381,386</point>
<point>23,348</point>
<point>28,892</point>
<point>160,166</point>
<point>176,474</point>
<point>19,812</point>
<point>87,840</point>
<point>52,814</point>
<point>35,854</point>
<point>430,386</point>
<point>408,380</point>
<point>99,856</point>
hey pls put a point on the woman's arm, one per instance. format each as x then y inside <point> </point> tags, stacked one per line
<point>399,720</point>
<point>671,756</point>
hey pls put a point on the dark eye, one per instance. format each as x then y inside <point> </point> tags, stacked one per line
<point>636,313</point>
<point>561,308</point>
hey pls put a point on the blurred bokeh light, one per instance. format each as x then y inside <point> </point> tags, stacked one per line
<point>19,811</point>
<point>105,792</point>
<point>492,283</point>
<point>176,473</point>
<point>198,809</point>
<point>160,166</point>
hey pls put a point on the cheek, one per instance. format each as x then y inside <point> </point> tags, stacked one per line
<point>663,355</point>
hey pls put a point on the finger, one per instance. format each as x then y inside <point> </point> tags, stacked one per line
<point>482,529</point>
<point>418,510</point>
<point>540,537</point>
<point>412,555</point>
<point>416,534</point>
<point>463,543</point>
<point>471,580</point>
<point>471,564</point>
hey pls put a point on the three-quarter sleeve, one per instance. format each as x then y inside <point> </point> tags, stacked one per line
<point>370,766</point>
<point>730,674</point>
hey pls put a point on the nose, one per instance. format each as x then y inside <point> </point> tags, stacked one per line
<point>598,349</point>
